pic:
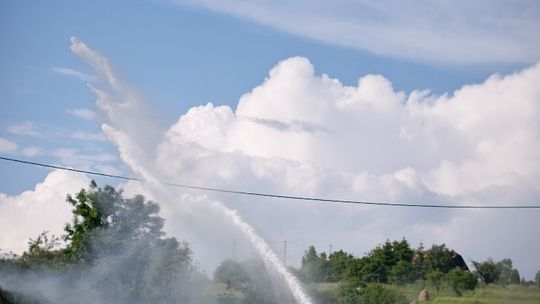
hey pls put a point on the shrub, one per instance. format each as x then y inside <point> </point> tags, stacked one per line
<point>379,294</point>
<point>435,278</point>
<point>461,280</point>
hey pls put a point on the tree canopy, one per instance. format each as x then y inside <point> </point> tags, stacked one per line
<point>501,272</point>
<point>392,262</point>
<point>114,247</point>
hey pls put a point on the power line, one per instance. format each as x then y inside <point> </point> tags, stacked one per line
<point>280,196</point>
<point>69,169</point>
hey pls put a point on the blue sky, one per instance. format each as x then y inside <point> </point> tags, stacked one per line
<point>177,55</point>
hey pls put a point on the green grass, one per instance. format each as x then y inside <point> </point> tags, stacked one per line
<point>496,295</point>
<point>492,294</point>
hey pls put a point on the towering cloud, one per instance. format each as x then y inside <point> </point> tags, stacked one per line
<point>479,138</point>
<point>305,134</point>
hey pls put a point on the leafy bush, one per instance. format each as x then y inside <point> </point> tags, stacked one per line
<point>461,280</point>
<point>352,291</point>
<point>379,294</point>
<point>435,278</point>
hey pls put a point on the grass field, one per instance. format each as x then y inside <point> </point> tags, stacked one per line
<point>511,294</point>
<point>493,294</point>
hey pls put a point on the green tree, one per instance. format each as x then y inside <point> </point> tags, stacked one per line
<point>389,262</point>
<point>232,274</point>
<point>249,283</point>
<point>461,280</point>
<point>353,291</point>
<point>314,266</point>
<point>115,246</point>
<point>375,293</point>
<point>435,278</point>
<point>402,250</point>
<point>44,254</point>
<point>437,258</point>
<point>339,263</point>
<point>515,277</point>
<point>537,278</point>
<point>381,265</point>
<point>403,272</point>
<point>508,274</point>
<point>349,290</point>
<point>488,271</point>
<point>103,220</point>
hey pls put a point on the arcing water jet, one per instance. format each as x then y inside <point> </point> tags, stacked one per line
<point>124,137</point>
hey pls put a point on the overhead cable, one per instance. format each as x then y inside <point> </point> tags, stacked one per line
<point>273,195</point>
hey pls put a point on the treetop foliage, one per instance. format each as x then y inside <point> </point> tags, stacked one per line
<point>114,247</point>
<point>501,272</point>
<point>392,262</point>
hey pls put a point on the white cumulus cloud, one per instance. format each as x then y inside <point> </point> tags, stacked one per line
<point>300,133</point>
<point>479,145</point>
<point>44,208</point>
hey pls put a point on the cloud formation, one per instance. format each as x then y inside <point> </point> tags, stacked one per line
<point>98,161</point>
<point>301,133</point>
<point>87,136</point>
<point>438,31</point>
<point>83,113</point>
<point>480,137</point>
<point>7,146</point>
<point>477,145</point>
<point>32,151</point>
<point>26,128</point>
<point>79,75</point>
<point>42,209</point>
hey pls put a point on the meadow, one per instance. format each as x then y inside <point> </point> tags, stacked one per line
<point>326,293</point>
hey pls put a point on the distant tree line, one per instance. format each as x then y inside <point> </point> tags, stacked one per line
<point>392,262</point>
<point>501,272</point>
<point>398,263</point>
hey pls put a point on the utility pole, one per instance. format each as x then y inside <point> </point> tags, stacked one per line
<point>285,254</point>
<point>330,250</point>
